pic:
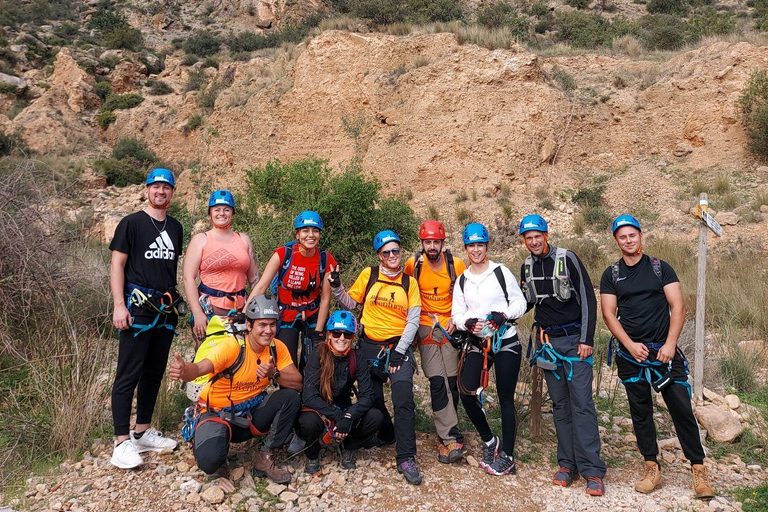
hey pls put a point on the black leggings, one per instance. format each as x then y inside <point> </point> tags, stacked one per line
<point>290,335</point>
<point>141,362</point>
<point>507,364</point>
<point>311,427</point>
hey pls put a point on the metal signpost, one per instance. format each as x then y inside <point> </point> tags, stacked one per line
<point>707,222</point>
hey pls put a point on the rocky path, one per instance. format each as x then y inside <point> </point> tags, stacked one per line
<point>171,482</point>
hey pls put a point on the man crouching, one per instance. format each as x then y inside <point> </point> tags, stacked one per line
<point>235,403</point>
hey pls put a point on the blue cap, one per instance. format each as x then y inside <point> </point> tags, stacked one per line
<point>475,233</point>
<point>533,223</point>
<point>625,220</point>
<point>160,175</point>
<point>221,198</point>
<point>383,238</point>
<point>308,219</point>
<point>341,321</point>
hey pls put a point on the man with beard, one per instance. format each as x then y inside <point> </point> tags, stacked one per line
<point>435,269</point>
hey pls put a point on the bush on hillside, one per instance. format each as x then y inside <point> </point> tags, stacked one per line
<point>585,30</point>
<point>202,43</point>
<point>102,89</point>
<point>578,4</point>
<point>12,143</point>
<point>120,173</point>
<point>427,11</point>
<point>352,205</point>
<point>503,15</point>
<point>710,22</point>
<point>676,7</point>
<point>754,108</point>
<point>158,88</point>
<point>124,37</point>
<point>122,101</point>
<point>662,32</point>
<point>134,150</point>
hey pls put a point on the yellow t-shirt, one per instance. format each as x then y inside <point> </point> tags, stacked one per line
<point>435,288</point>
<point>245,384</point>
<point>386,306</point>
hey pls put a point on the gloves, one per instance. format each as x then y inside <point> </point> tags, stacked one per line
<point>470,324</point>
<point>397,359</point>
<point>316,337</point>
<point>344,425</point>
<point>496,320</point>
<point>335,279</point>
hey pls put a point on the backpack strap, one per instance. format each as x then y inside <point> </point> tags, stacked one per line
<point>323,264</point>
<point>451,268</point>
<point>656,264</point>
<point>502,281</point>
<point>418,261</point>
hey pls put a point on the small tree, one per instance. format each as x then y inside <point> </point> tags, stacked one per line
<point>754,107</point>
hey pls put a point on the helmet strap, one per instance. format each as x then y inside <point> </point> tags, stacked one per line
<point>336,352</point>
<point>153,205</point>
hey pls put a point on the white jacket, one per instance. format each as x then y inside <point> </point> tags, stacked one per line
<point>482,294</point>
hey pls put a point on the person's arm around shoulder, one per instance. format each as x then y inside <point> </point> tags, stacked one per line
<point>270,271</point>
<point>252,274</point>
<point>121,317</point>
<point>192,260</point>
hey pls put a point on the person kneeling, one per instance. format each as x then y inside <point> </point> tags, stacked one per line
<point>235,403</point>
<point>329,384</point>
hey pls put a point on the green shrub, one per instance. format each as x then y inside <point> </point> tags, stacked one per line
<point>202,43</point>
<point>753,498</point>
<point>207,97</point>
<point>7,88</point>
<point>133,150</point>
<point>11,143</point>
<point>585,30</point>
<point>739,368</point>
<point>380,12</point>
<point>158,88</point>
<point>124,37</point>
<point>122,101</point>
<point>597,217</point>
<point>504,15</point>
<point>427,11</point>
<point>563,78</point>
<point>293,32</point>
<point>102,89</point>
<point>677,7</point>
<point>195,81</point>
<point>105,118</point>
<point>709,22</point>
<point>578,4</point>
<point>352,204</point>
<point>195,121</point>
<point>589,196</point>
<point>754,108</point>
<point>120,173</point>
<point>662,32</point>
<point>106,20</point>
<point>210,62</point>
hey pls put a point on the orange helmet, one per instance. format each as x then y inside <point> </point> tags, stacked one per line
<point>432,230</point>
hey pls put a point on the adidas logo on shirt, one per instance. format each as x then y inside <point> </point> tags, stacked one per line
<point>161,249</point>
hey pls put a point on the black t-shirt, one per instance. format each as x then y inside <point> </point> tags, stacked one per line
<point>643,307</point>
<point>152,247</point>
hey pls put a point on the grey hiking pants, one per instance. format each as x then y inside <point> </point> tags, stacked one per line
<point>573,410</point>
<point>441,366</point>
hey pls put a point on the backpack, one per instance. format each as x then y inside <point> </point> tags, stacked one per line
<point>499,276</point>
<point>560,280</point>
<point>277,280</point>
<point>655,263</point>
<point>405,284</point>
<point>419,261</point>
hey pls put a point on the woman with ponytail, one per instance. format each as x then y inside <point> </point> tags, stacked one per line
<point>225,263</point>
<point>328,411</point>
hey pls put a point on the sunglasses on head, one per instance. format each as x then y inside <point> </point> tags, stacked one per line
<point>342,334</point>
<point>394,252</point>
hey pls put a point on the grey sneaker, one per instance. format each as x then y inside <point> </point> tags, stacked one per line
<point>410,471</point>
<point>503,465</point>
<point>312,466</point>
<point>490,453</point>
<point>152,441</point>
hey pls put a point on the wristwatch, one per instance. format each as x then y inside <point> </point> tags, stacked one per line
<point>275,375</point>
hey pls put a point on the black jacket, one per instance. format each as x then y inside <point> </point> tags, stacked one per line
<point>342,387</point>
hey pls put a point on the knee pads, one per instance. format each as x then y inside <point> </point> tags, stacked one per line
<point>437,392</point>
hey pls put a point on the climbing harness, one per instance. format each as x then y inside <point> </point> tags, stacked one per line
<point>154,301</point>
<point>655,373</point>
<point>547,358</point>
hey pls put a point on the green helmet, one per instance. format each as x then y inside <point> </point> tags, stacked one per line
<point>262,306</point>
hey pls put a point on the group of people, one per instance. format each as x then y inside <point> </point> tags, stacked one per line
<point>329,369</point>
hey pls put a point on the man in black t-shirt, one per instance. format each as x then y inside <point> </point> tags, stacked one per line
<point>642,305</point>
<point>145,253</point>
<point>555,282</point>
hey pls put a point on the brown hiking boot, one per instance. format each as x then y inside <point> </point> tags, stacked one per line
<point>701,485</point>
<point>264,465</point>
<point>651,477</point>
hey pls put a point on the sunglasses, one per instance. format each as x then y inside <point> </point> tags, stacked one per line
<point>393,252</point>
<point>342,334</point>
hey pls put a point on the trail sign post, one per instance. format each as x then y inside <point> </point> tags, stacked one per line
<point>707,222</point>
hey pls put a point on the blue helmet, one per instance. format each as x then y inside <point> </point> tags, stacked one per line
<point>160,175</point>
<point>533,223</point>
<point>383,238</point>
<point>221,198</point>
<point>625,220</point>
<point>475,233</point>
<point>308,219</point>
<point>341,321</point>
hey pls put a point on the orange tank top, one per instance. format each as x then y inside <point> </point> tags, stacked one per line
<point>224,267</point>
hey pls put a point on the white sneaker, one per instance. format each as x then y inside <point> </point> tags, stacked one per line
<point>152,441</point>
<point>125,456</point>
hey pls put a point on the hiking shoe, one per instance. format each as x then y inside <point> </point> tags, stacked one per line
<point>490,453</point>
<point>312,466</point>
<point>126,456</point>
<point>503,465</point>
<point>595,486</point>
<point>701,485</point>
<point>565,477</point>
<point>296,445</point>
<point>651,477</point>
<point>152,441</point>
<point>451,452</point>
<point>264,464</point>
<point>346,458</point>
<point>410,471</point>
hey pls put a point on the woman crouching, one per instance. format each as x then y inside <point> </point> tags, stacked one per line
<point>328,412</point>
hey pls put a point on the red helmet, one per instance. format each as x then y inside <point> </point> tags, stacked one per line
<point>432,230</point>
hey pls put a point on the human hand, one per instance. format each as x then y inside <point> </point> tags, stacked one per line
<point>266,370</point>
<point>396,360</point>
<point>666,353</point>
<point>474,325</point>
<point>176,372</point>
<point>333,277</point>
<point>201,323</point>
<point>584,351</point>
<point>497,320</point>
<point>121,317</point>
<point>639,351</point>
